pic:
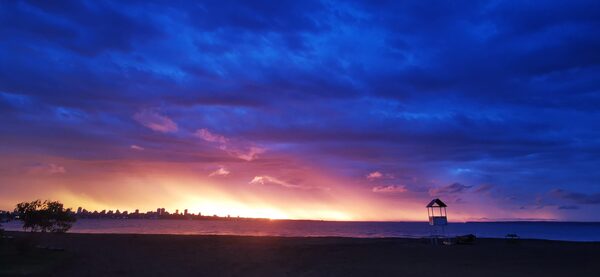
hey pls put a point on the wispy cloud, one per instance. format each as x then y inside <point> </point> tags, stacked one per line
<point>248,154</point>
<point>46,168</point>
<point>135,147</point>
<point>449,189</point>
<point>236,148</point>
<point>390,189</point>
<point>577,197</point>
<point>485,188</point>
<point>268,180</point>
<point>568,207</point>
<point>374,175</point>
<point>155,121</point>
<point>206,135</point>
<point>219,172</point>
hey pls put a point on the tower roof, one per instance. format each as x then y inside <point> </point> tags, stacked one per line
<point>436,203</point>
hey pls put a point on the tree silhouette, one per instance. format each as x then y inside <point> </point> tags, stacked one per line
<point>47,216</point>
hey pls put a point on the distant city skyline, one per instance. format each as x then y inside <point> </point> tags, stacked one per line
<point>159,213</point>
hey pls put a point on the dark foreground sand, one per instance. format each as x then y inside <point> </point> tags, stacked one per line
<point>178,255</point>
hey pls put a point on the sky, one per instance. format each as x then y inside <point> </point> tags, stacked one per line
<point>338,110</point>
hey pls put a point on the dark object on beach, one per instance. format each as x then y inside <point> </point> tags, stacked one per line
<point>47,216</point>
<point>512,238</point>
<point>50,248</point>
<point>466,239</point>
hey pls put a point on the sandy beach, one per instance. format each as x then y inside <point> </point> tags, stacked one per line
<point>181,255</point>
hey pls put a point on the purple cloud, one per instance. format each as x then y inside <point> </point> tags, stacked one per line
<point>219,172</point>
<point>239,149</point>
<point>46,168</point>
<point>390,189</point>
<point>136,147</point>
<point>209,136</point>
<point>454,188</point>
<point>268,180</point>
<point>155,121</point>
<point>485,188</point>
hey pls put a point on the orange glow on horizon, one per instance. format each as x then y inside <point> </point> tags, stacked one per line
<point>149,185</point>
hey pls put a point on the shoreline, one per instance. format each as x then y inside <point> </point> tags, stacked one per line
<point>420,238</point>
<point>76,254</point>
<point>584,232</point>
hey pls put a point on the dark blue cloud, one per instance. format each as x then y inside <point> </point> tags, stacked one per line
<point>579,198</point>
<point>84,27</point>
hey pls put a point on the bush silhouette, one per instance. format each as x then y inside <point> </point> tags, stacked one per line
<point>47,216</point>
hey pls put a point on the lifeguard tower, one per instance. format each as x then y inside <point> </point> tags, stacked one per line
<point>436,211</point>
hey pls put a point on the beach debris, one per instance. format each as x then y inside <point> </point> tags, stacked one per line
<point>512,238</point>
<point>466,239</point>
<point>50,248</point>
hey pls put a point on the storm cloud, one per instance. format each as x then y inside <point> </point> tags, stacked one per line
<point>472,94</point>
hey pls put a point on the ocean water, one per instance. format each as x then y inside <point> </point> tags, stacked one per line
<point>569,231</point>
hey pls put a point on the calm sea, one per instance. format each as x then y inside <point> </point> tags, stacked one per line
<point>571,231</point>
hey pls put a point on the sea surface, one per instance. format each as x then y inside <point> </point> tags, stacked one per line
<point>569,231</point>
